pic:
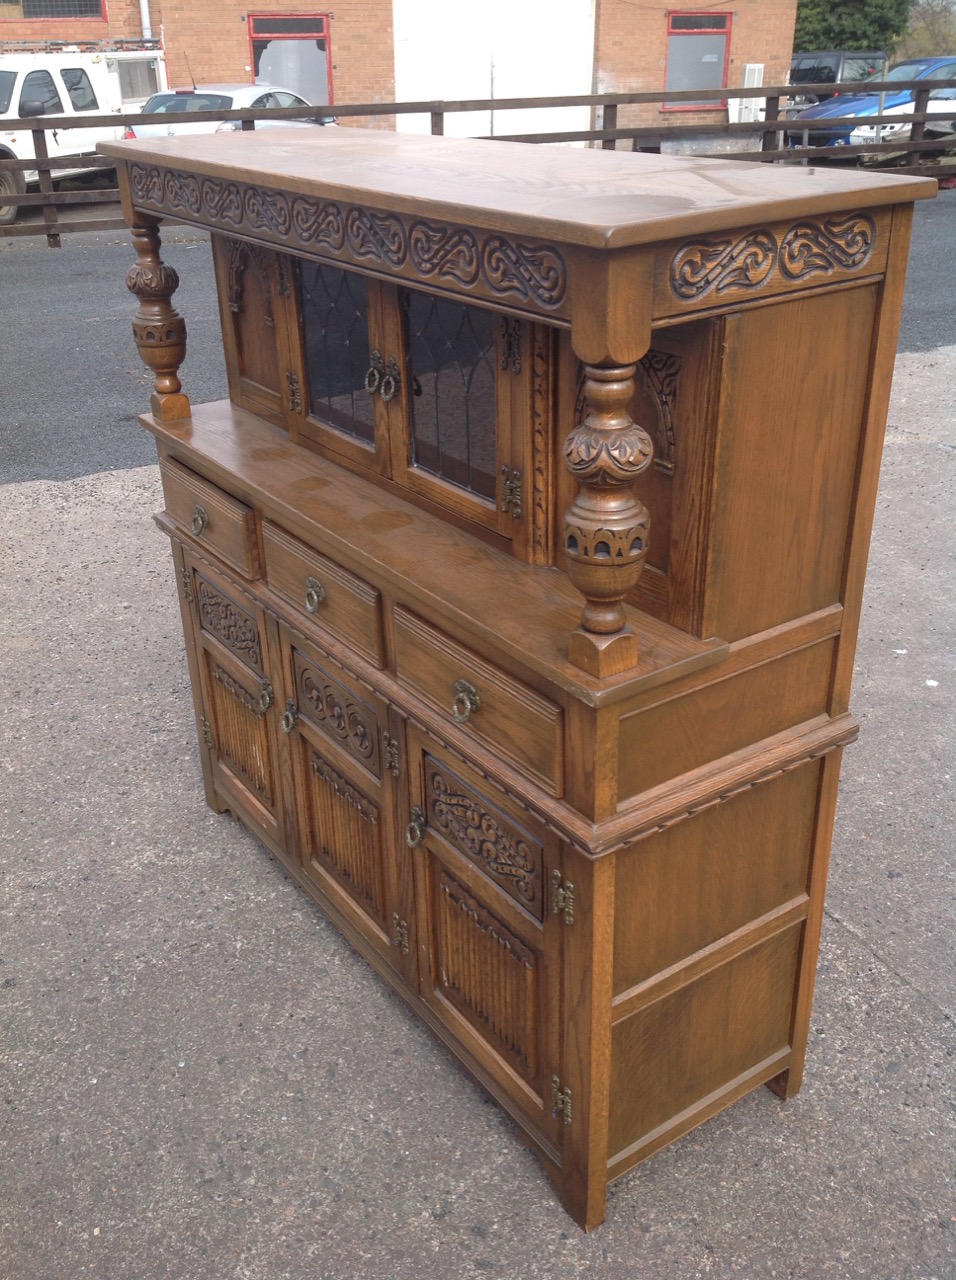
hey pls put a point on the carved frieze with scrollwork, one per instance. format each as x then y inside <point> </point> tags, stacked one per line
<point>522,274</point>
<point>770,259</point>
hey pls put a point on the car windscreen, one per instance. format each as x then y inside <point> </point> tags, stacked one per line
<point>7,80</point>
<point>905,71</point>
<point>167,102</point>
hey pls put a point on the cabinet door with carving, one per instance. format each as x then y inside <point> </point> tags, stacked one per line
<point>230,660</point>
<point>490,941</point>
<point>345,765</point>
<point>255,304</point>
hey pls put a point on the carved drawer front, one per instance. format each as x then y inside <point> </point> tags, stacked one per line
<point>511,719</point>
<point>322,591</point>
<point>220,523</point>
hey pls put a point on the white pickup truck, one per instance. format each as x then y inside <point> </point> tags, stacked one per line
<point>72,83</point>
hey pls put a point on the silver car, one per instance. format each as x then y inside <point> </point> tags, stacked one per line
<point>173,103</point>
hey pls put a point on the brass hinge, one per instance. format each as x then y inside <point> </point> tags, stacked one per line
<point>282,271</point>
<point>184,578</point>
<point>511,491</point>
<point>207,733</point>
<point>295,392</point>
<point>560,1101</point>
<point>400,934</point>
<point>390,747</point>
<point>562,898</point>
<point>510,344</point>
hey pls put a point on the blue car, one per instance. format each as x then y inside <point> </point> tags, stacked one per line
<point>813,121</point>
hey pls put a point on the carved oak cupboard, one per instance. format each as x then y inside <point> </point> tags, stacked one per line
<point>521,574</point>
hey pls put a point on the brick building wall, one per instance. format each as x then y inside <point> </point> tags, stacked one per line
<point>121,22</point>
<point>631,50</point>
<point>208,40</point>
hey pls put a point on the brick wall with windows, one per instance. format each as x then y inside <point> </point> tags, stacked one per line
<point>208,40</point>
<point>73,20</point>
<point>631,52</point>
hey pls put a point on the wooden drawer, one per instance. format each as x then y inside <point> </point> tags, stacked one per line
<point>504,714</point>
<point>319,590</point>
<point>220,523</point>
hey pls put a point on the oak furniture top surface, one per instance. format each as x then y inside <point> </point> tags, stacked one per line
<point>598,199</point>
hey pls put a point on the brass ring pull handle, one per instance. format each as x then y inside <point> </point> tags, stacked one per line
<point>200,519</point>
<point>289,716</point>
<point>415,830</point>
<point>314,594</point>
<point>266,699</point>
<point>373,377</point>
<point>392,381</point>
<point>465,701</point>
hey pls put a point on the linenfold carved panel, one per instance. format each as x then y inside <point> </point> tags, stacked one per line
<point>487,973</point>
<point>524,273</point>
<point>486,836</point>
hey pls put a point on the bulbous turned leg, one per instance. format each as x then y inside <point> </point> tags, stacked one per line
<point>159,330</point>
<point>606,528</point>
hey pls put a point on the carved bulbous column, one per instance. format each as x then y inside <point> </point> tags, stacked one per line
<point>159,330</point>
<point>606,527</point>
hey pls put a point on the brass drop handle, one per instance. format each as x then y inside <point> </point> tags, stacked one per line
<point>289,716</point>
<point>415,830</point>
<point>465,701</point>
<point>266,699</point>
<point>200,519</point>
<point>383,377</point>
<point>392,381</point>
<point>314,594</point>
<point>376,370</point>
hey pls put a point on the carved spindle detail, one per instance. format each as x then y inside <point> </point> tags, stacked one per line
<point>158,328</point>
<point>606,527</point>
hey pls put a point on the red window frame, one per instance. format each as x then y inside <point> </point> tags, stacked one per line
<point>320,32</point>
<point>67,17</point>
<point>728,17</point>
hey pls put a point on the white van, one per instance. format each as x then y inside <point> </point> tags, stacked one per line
<point>67,82</point>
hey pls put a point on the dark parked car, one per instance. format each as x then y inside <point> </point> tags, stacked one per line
<point>819,133</point>
<point>834,66</point>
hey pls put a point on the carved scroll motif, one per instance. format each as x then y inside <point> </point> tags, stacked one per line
<point>222,201</point>
<point>462,259</point>
<point>448,252</point>
<point>721,264</point>
<point>486,838</point>
<point>318,222</point>
<point>725,263</point>
<point>267,210</point>
<point>345,719</point>
<point>836,243</point>
<point>182,192</point>
<point>234,628</point>
<point>380,236</point>
<point>530,271</point>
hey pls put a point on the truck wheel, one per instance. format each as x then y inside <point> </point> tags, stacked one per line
<point>11,184</point>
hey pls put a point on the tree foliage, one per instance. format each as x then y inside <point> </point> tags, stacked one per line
<point>850,24</point>
<point>931,31</point>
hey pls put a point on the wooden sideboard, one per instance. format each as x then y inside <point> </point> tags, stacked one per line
<point>521,575</point>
